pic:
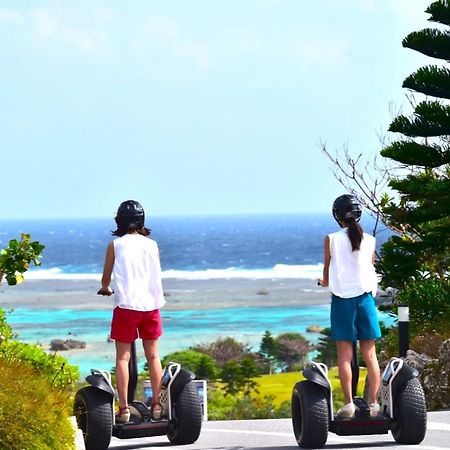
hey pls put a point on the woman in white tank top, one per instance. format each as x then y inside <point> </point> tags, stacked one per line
<point>132,260</point>
<point>350,274</point>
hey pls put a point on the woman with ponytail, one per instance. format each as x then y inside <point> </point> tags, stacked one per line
<point>350,274</point>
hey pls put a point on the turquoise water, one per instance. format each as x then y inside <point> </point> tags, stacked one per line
<point>182,329</point>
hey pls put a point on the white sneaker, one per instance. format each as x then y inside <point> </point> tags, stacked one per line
<point>374,409</point>
<point>347,411</point>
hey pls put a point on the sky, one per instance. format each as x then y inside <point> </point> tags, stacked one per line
<point>193,106</point>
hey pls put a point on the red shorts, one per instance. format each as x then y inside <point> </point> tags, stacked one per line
<point>126,323</point>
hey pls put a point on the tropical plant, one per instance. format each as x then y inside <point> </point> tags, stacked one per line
<point>17,256</point>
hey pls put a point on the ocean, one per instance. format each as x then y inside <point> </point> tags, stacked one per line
<point>265,247</point>
<point>215,245</point>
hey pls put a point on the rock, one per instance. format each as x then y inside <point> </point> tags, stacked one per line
<point>68,344</point>
<point>263,291</point>
<point>433,375</point>
<point>417,360</point>
<point>314,329</point>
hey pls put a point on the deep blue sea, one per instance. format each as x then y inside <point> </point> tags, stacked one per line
<point>187,244</point>
<point>257,246</point>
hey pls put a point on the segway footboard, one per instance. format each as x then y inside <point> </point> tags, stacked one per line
<point>358,427</point>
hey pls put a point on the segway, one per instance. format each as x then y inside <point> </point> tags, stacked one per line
<point>403,408</point>
<point>181,418</point>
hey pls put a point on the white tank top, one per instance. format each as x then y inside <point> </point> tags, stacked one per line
<point>137,273</point>
<point>351,273</point>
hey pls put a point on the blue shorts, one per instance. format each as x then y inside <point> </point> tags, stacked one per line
<point>354,319</point>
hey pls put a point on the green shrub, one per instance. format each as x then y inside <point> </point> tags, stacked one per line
<point>429,305</point>
<point>243,407</point>
<point>201,364</point>
<point>53,367</point>
<point>17,256</point>
<point>33,412</point>
<point>5,330</point>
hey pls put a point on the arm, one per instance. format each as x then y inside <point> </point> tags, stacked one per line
<point>107,270</point>
<point>326,265</point>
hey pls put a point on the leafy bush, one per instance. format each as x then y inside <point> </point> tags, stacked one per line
<point>5,330</point>
<point>17,256</point>
<point>53,367</point>
<point>240,376</point>
<point>201,364</point>
<point>429,305</point>
<point>229,407</point>
<point>33,412</point>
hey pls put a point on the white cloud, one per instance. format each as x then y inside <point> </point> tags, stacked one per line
<point>48,26</point>
<point>85,40</point>
<point>45,24</point>
<point>161,27</point>
<point>10,16</point>
<point>163,34</point>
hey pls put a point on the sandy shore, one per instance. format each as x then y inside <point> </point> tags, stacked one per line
<point>180,294</point>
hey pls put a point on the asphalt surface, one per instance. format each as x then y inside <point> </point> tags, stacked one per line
<point>277,434</point>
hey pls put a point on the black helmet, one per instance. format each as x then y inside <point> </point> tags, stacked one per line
<point>130,214</point>
<point>347,207</point>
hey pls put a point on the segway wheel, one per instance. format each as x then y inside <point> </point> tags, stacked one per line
<point>310,414</point>
<point>93,411</point>
<point>185,426</point>
<point>410,413</point>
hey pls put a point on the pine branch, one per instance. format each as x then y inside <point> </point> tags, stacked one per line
<point>431,80</point>
<point>430,42</point>
<point>431,119</point>
<point>413,153</point>
<point>440,12</point>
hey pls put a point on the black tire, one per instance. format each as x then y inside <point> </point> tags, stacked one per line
<point>186,422</point>
<point>310,414</point>
<point>410,414</point>
<point>93,411</point>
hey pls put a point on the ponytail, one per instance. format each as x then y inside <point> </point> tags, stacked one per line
<point>355,233</point>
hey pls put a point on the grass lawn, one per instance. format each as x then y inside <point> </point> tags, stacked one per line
<point>280,385</point>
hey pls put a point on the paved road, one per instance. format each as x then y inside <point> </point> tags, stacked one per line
<point>277,434</point>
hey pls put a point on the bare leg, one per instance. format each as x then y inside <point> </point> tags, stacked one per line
<point>122,375</point>
<point>373,370</point>
<point>154,366</point>
<point>344,354</point>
